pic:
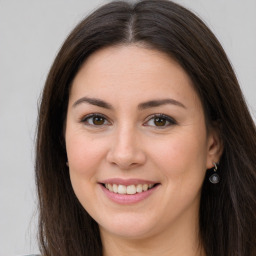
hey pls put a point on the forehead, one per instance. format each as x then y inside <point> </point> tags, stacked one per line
<point>132,72</point>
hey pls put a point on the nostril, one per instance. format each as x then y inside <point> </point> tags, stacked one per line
<point>125,156</point>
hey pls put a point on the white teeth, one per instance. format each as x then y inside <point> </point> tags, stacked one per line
<point>115,188</point>
<point>121,189</point>
<point>139,188</point>
<point>129,190</point>
<point>145,187</point>
<point>110,187</point>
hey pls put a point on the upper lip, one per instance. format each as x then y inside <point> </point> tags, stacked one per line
<point>127,182</point>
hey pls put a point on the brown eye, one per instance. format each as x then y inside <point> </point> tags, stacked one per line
<point>98,120</point>
<point>159,121</point>
<point>95,120</point>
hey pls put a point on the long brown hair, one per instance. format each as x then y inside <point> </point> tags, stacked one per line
<point>228,209</point>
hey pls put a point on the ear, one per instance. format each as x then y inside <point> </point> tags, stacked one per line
<point>214,146</point>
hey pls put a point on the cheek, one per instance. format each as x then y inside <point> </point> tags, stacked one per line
<point>181,156</point>
<point>181,160</point>
<point>83,153</point>
<point>84,157</point>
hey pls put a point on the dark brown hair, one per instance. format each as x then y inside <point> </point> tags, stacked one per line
<point>228,209</point>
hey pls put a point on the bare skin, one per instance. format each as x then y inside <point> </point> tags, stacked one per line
<point>133,116</point>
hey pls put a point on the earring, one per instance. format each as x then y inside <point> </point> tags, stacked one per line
<point>214,178</point>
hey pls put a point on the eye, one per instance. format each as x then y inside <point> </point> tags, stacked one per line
<point>95,120</point>
<point>160,121</point>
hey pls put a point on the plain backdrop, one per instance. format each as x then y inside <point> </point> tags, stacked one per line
<point>31,32</point>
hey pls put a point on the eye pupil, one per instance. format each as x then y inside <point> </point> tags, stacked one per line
<point>159,121</point>
<point>98,120</point>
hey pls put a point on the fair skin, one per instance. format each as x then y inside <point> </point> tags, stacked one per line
<point>133,117</point>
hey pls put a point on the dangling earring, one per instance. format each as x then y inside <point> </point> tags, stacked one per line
<point>214,178</point>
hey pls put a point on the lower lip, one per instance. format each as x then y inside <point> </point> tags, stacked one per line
<point>128,199</point>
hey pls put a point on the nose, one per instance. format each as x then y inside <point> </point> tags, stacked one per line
<point>125,150</point>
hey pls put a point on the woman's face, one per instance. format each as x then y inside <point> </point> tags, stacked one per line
<point>136,142</point>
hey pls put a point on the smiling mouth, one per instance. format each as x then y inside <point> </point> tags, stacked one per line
<point>130,189</point>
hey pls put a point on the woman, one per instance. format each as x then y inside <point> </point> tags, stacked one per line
<point>145,145</point>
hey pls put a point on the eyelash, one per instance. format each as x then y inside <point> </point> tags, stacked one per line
<point>167,119</point>
<point>86,119</point>
<point>164,117</point>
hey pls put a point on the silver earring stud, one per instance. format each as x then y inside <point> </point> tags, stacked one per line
<point>214,178</point>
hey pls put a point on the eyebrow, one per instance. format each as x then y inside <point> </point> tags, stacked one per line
<point>141,106</point>
<point>93,101</point>
<point>157,103</point>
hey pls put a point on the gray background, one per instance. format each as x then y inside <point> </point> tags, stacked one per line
<point>31,33</point>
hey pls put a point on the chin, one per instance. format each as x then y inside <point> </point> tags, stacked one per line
<point>136,227</point>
